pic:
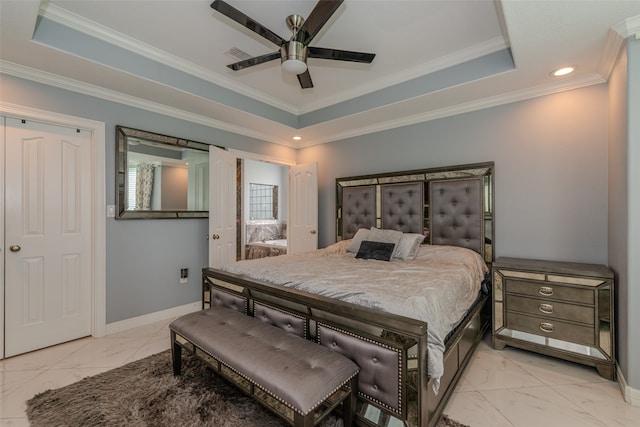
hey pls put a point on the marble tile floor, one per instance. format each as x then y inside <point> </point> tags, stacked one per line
<point>509,388</point>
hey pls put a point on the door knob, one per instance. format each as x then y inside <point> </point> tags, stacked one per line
<point>14,248</point>
<point>313,231</point>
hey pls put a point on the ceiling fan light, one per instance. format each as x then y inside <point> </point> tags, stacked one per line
<point>294,55</point>
<point>294,66</point>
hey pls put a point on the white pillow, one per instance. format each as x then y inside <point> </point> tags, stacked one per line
<point>361,234</point>
<point>407,248</point>
<point>386,236</point>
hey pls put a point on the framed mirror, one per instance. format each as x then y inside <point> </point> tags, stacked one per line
<point>160,176</point>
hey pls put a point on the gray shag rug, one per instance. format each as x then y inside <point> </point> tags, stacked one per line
<point>146,393</point>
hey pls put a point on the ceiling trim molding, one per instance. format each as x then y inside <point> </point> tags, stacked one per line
<point>64,17</point>
<point>54,80</point>
<point>108,35</point>
<point>615,39</point>
<point>459,57</point>
<point>494,101</point>
<point>86,89</point>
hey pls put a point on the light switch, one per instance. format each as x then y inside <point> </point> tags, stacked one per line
<point>111,211</point>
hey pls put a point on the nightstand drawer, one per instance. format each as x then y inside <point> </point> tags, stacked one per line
<point>549,290</point>
<point>551,309</point>
<point>551,328</point>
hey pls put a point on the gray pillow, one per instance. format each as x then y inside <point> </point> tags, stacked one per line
<point>361,234</point>
<point>407,248</point>
<point>386,236</point>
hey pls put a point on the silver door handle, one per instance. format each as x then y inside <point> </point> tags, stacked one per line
<point>14,248</point>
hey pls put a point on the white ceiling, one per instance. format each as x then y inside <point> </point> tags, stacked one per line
<point>433,58</point>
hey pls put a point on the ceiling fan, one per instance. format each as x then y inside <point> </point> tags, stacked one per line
<point>294,52</point>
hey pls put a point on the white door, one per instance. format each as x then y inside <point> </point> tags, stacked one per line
<point>302,228</point>
<point>222,207</point>
<point>48,235</point>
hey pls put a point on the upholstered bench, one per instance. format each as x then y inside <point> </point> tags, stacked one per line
<point>269,363</point>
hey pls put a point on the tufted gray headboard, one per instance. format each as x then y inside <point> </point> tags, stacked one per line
<point>456,213</point>
<point>358,209</point>
<point>451,205</point>
<point>402,207</point>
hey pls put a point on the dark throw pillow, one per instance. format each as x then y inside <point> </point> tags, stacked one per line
<point>375,250</point>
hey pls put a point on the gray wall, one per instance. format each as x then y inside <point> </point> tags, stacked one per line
<point>551,169</point>
<point>633,163</point>
<point>624,205</point>
<point>144,257</point>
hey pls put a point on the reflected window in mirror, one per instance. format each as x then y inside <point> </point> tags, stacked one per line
<point>160,176</point>
<point>263,201</point>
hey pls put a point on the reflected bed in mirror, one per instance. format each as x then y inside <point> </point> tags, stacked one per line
<point>160,176</point>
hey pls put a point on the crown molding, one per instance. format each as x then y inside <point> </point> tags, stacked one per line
<point>54,80</point>
<point>94,29</point>
<point>64,17</point>
<point>461,56</point>
<point>494,101</point>
<point>615,39</point>
<point>91,90</point>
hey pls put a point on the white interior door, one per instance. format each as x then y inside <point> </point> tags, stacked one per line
<point>222,207</point>
<point>302,228</point>
<point>48,235</point>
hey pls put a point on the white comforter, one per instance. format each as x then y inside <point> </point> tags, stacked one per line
<point>438,287</point>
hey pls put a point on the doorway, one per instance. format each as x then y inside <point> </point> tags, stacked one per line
<point>80,155</point>
<point>225,216</point>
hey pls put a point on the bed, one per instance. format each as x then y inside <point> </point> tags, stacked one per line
<point>411,346</point>
<point>266,248</point>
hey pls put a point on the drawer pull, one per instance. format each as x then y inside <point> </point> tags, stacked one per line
<point>547,291</point>
<point>546,327</point>
<point>546,308</point>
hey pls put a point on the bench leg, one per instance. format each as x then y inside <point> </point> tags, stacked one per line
<point>349,404</point>
<point>303,420</point>
<point>176,354</point>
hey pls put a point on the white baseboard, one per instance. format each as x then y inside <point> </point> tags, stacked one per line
<point>630,394</point>
<point>157,316</point>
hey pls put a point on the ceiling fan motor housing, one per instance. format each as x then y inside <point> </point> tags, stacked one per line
<point>294,54</point>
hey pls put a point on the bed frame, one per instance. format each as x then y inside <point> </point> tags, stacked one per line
<point>451,206</point>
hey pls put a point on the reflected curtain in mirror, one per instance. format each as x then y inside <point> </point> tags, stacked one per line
<point>144,186</point>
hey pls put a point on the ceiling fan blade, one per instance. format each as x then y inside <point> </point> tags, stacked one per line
<point>254,61</point>
<point>231,12</point>
<point>339,55</point>
<point>305,80</point>
<point>317,18</point>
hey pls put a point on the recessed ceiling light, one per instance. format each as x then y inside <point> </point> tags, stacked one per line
<point>297,138</point>
<point>563,71</point>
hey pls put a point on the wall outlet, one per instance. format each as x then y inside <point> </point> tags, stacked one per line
<point>184,274</point>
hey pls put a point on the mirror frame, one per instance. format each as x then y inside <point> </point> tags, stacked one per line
<point>122,135</point>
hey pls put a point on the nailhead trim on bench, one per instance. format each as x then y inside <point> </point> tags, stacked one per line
<point>278,398</point>
<point>208,326</point>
